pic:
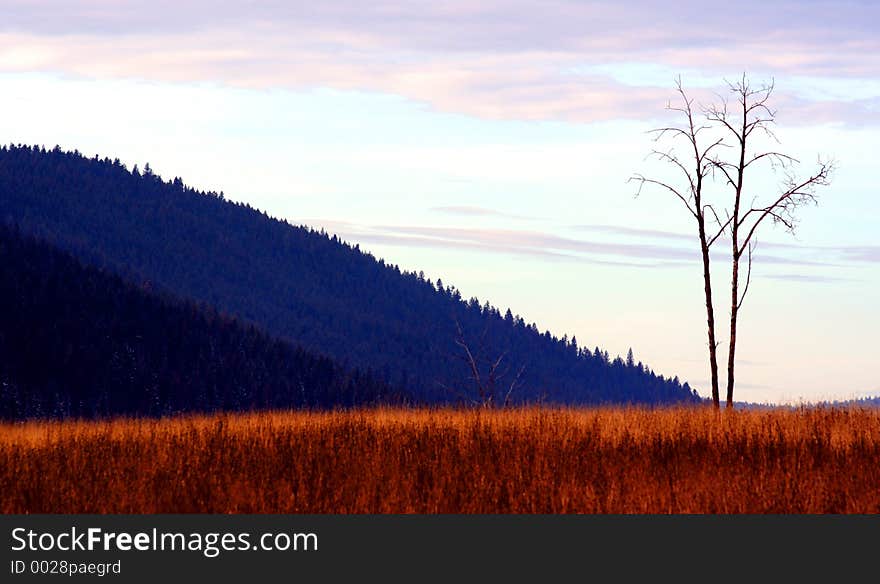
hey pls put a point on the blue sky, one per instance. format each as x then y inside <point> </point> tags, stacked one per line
<point>490,146</point>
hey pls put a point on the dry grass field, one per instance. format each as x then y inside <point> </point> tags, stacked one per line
<point>807,460</point>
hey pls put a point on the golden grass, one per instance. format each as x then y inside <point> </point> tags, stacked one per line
<point>809,460</point>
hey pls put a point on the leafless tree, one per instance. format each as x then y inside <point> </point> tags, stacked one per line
<point>693,169</point>
<point>731,130</point>
<point>749,118</point>
<point>486,375</point>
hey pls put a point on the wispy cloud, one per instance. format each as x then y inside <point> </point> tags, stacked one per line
<point>634,232</point>
<point>469,211</point>
<point>864,253</point>
<point>538,243</point>
<point>808,278</point>
<point>511,242</point>
<point>822,254</point>
<point>498,59</point>
<point>484,246</point>
<point>545,242</point>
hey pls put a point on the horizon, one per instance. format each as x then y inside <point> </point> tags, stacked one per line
<point>440,153</point>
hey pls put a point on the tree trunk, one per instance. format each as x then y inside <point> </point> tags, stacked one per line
<point>710,318</point>
<point>734,309</point>
<point>735,253</point>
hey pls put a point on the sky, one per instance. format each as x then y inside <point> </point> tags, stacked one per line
<point>489,144</point>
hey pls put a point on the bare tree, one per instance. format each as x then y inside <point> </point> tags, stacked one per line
<point>487,375</point>
<point>693,169</point>
<point>731,130</point>
<point>750,118</point>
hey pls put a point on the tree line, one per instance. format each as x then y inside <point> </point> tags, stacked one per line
<point>77,341</point>
<point>305,286</point>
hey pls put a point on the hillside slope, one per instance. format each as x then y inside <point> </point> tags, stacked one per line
<point>305,286</point>
<point>76,341</point>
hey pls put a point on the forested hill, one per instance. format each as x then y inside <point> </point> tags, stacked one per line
<point>75,341</point>
<point>306,286</point>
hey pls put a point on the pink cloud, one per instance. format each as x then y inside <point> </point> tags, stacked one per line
<point>621,251</point>
<point>501,60</point>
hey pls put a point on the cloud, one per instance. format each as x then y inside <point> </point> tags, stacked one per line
<point>634,232</point>
<point>534,243</point>
<point>808,278</point>
<point>825,254</point>
<point>863,253</point>
<point>469,211</point>
<point>495,59</point>
<point>545,254</point>
<point>510,242</point>
<point>538,240</point>
<point>839,254</point>
<point>785,35</point>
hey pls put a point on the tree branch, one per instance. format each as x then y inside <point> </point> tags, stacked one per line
<point>642,180</point>
<point>782,159</point>
<point>748,277</point>
<point>513,386</point>
<point>722,227</point>
<point>796,195</point>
